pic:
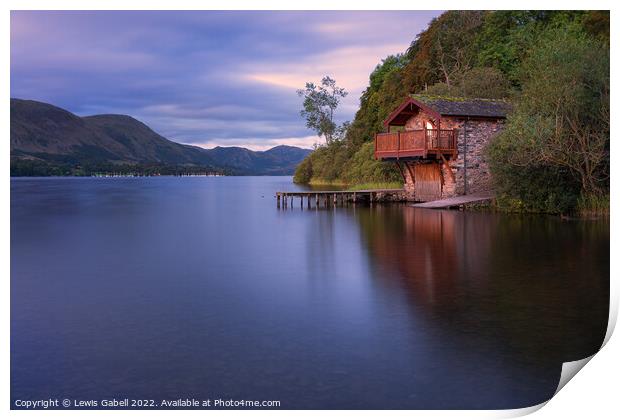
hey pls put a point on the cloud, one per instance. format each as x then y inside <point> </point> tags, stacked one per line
<point>202,77</point>
<point>351,67</point>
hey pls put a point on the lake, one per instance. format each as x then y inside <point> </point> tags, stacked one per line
<point>198,287</point>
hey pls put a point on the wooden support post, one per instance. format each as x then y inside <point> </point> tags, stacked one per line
<point>278,199</point>
<point>445,162</point>
<point>354,198</point>
<point>411,173</point>
<point>309,202</point>
<point>284,203</point>
<point>335,197</point>
<point>317,201</point>
<point>301,201</point>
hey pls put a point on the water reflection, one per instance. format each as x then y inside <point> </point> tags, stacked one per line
<point>534,288</point>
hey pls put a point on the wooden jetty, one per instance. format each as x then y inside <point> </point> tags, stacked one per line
<point>330,198</point>
<point>457,201</point>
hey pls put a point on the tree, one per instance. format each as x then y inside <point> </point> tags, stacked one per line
<point>319,105</point>
<point>561,121</point>
<point>456,32</point>
<point>479,82</point>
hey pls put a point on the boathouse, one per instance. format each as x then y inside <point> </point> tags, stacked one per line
<point>438,143</point>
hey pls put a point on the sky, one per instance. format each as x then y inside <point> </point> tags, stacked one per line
<point>207,78</point>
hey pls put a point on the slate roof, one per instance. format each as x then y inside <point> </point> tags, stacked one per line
<point>465,107</point>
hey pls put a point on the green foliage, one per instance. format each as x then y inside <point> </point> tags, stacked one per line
<point>303,172</point>
<point>556,143</point>
<point>338,163</point>
<point>363,168</point>
<point>443,51</point>
<point>484,82</point>
<point>479,82</point>
<point>596,23</point>
<point>533,189</point>
<point>319,105</point>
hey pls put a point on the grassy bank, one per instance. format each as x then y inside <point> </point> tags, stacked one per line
<point>325,183</point>
<point>355,186</point>
<point>376,186</point>
<point>593,206</point>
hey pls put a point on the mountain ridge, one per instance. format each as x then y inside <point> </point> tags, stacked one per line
<point>49,137</point>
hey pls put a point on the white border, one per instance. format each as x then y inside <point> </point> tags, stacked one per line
<point>592,394</point>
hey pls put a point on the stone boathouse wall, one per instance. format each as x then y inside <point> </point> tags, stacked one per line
<point>478,133</point>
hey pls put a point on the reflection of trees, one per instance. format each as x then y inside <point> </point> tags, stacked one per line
<point>551,284</point>
<point>535,287</point>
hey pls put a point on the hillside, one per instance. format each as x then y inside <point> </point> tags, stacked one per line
<point>46,139</point>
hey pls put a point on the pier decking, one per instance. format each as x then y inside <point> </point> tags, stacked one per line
<point>456,201</point>
<point>326,199</point>
<point>329,198</point>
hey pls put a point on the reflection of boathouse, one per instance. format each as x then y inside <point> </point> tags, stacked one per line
<point>431,249</point>
<point>438,144</point>
<point>494,277</point>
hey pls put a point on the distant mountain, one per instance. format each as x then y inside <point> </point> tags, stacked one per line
<point>47,139</point>
<point>275,161</point>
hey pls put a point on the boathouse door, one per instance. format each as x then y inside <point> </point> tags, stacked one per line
<point>427,181</point>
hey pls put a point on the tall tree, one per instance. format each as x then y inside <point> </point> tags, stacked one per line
<point>319,105</point>
<point>561,119</point>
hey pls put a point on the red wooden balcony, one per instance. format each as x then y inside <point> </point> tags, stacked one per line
<point>425,143</point>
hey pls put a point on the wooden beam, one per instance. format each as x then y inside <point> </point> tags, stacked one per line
<point>402,173</point>
<point>410,173</point>
<point>445,161</point>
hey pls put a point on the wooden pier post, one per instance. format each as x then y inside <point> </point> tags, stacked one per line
<point>330,198</point>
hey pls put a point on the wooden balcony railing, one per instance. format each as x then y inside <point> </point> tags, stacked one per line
<point>416,143</point>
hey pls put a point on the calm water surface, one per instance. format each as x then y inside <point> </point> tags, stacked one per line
<point>170,288</point>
